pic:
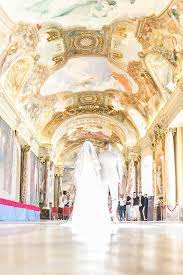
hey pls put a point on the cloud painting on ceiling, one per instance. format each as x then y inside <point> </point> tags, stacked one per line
<point>91,13</point>
<point>95,73</point>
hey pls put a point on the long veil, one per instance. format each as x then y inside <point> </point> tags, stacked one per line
<point>90,211</point>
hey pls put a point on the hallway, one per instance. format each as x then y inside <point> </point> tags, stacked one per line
<point>49,248</point>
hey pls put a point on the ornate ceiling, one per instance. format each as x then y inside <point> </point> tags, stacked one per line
<point>89,13</point>
<point>77,79</point>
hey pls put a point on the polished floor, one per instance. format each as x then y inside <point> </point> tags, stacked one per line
<point>48,248</point>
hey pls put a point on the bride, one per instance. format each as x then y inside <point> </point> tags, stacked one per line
<point>90,212</point>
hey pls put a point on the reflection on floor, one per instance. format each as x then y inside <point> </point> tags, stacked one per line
<point>48,248</point>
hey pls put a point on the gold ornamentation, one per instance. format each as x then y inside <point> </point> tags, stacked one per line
<point>116,55</point>
<point>158,135</point>
<point>59,59</point>
<point>85,109</point>
<point>54,34</point>
<point>85,42</point>
<point>165,53</point>
<point>13,48</point>
<point>19,73</point>
<point>120,30</point>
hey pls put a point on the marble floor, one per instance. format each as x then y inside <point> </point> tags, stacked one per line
<point>48,248</point>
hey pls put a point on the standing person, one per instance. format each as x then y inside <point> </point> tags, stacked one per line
<point>128,208</point>
<point>90,211</point>
<point>141,206</point>
<point>122,207</point>
<point>145,207</point>
<point>111,174</point>
<point>135,207</point>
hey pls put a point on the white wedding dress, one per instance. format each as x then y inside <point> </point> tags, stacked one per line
<point>90,212</point>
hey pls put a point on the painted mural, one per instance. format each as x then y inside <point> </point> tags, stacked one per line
<point>6,157</point>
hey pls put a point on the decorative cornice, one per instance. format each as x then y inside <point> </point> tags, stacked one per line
<point>80,110</point>
<point>158,135</point>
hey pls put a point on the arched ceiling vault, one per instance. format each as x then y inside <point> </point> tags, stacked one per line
<point>125,70</point>
<point>91,127</point>
<point>74,111</point>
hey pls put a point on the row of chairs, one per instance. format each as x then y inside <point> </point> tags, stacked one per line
<point>59,213</point>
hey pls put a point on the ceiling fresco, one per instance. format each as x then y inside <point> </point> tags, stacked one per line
<point>118,62</point>
<point>89,13</point>
<point>95,73</point>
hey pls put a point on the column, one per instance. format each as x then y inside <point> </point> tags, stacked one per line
<point>138,174</point>
<point>179,164</point>
<point>23,191</point>
<point>41,180</point>
<point>60,190</point>
<point>123,185</point>
<point>179,170</point>
<point>45,183</point>
<point>131,182</point>
<point>147,173</point>
<point>50,192</point>
<point>170,169</point>
<point>56,190</point>
<point>147,176</point>
<point>16,168</point>
<point>170,177</point>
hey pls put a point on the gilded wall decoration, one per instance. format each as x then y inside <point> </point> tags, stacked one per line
<point>19,73</point>
<point>158,135</point>
<point>158,34</point>
<point>147,88</point>
<point>23,41</point>
<point>161,71</point>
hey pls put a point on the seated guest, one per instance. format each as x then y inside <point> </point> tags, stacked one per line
<point>128,208</point>
<point>122,207</point>
<point>145,207</point>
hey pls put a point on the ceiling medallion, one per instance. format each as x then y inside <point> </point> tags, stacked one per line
<point>88,99</point>
<point>86,42</point>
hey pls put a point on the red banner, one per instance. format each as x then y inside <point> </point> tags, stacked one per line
<point>19,205</point>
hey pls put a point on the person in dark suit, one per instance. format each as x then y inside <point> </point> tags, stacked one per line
<point>145,207</point>
<point>141,206</point>
<point>135,207</point>
<point>128,208</point>
<point>122,207</point>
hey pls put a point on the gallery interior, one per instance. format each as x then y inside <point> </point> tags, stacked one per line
<point>77,70</point>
